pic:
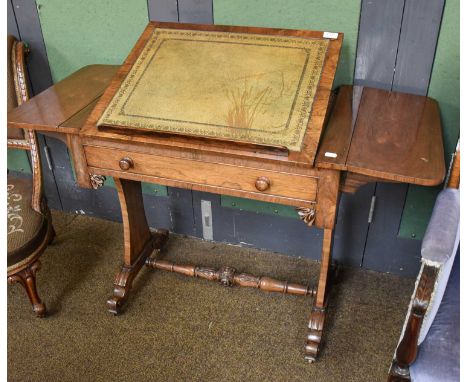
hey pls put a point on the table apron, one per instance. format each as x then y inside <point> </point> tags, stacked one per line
<point>284,188</point>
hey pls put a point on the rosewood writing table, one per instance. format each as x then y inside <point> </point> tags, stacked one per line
<point>237,111</point>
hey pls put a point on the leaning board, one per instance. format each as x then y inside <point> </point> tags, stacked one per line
<point>246,87</point>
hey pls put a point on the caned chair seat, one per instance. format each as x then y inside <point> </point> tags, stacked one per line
<point>27,229</point>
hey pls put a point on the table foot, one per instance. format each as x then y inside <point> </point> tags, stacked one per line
<point>122,285</point>
<point>124,278</point>
<point>398,373</point>
<point>314,333</point>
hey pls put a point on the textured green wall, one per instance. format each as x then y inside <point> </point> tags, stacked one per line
<point>79,33</point>
<point>17,160</point>
<point>445,88</point>
<point>445,80</point>
<point>326,15</point>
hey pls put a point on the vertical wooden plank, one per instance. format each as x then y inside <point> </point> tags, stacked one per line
<point>351,226</point>
<point>163,10</point>
<point>30,31</point>
<point>385,252</point>
<point>418,40</point>
<point>196,11</point>
<point>379,32</point>
<point>12,28</point>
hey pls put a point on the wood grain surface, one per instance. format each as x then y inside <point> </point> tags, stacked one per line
<point>53,107</point>
<point>221,178</point>
<point>398,137</point>
<point>336,140</point>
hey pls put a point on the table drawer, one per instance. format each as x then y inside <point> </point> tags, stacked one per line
<point>217,177</point>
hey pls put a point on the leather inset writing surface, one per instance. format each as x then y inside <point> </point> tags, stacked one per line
<point>235,86</point>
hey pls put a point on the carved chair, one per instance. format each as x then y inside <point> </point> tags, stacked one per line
<point>29,224</point>
<point>429,346</point>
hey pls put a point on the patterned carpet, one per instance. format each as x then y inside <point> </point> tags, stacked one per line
<point>177,328</point>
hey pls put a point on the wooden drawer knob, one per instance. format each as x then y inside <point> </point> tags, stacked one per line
<point>262,183</point>
<point>126,163</point>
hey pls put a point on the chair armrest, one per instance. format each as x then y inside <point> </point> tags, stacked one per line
<point>438,251</point>
<point>441,233</point>
<point>407,349</point>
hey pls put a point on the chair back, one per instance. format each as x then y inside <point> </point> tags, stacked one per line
<point>18,92</point>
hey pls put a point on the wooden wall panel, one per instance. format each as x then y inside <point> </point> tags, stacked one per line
<point>418,41</point>
<point>12,28</point>
<point>196,11</point>
<point>385,252</point>
<point>379,32</point>
<point>163,10</point>
<point>31,32</point>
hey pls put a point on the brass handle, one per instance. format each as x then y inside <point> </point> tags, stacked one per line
<point>126,163</point>
<point>262,183</point>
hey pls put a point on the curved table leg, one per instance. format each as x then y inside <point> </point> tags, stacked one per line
<point>139,243</point>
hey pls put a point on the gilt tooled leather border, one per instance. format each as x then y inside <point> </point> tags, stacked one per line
<point>131,82</point>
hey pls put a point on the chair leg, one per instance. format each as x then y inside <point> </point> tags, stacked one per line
<point>27,278</point>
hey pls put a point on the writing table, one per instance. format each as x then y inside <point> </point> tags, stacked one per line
<point>172,114</point>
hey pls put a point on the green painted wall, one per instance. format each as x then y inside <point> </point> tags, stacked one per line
<point>17,160</point>
<point>326,15</point>
<point>445,80</point>
<point>445,88</point>
<point>259,207</point>
<point>79,33</point>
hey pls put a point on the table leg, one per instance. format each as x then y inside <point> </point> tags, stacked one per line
<point>323,215</point>
<point>139,243</point>
<point>319,305</point>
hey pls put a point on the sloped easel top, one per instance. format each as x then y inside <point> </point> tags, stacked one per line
<point>242,87</point>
